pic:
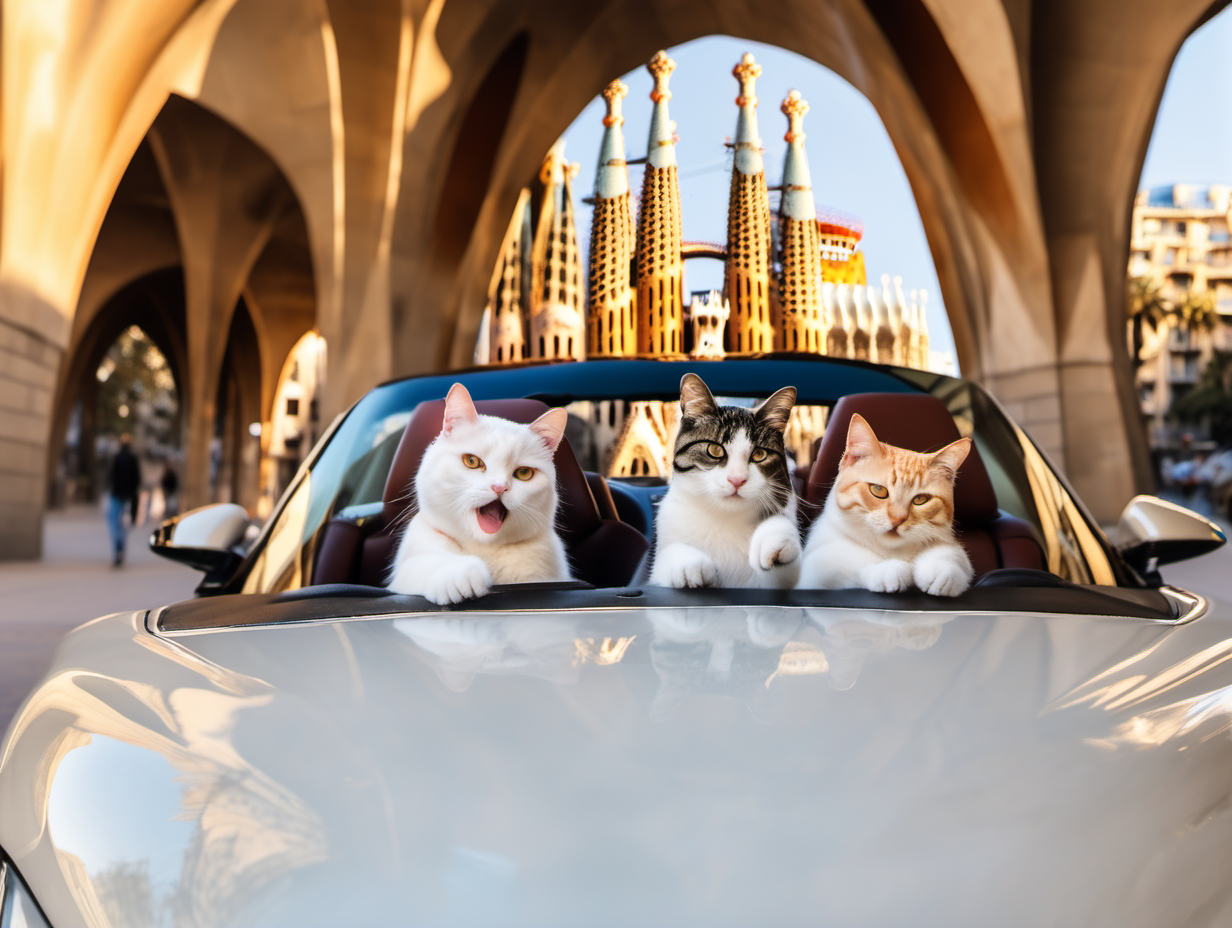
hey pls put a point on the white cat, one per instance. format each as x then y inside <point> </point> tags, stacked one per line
<point>486,492</point>
<point>888,523</point>
<point>729,515</point>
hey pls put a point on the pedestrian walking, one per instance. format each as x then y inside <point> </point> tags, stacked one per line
<point>123,488</point>
<point>169,482</point>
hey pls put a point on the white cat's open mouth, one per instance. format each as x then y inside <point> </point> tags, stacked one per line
<point>492,516</point>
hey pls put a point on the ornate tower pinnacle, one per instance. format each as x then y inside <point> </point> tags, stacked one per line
<point>660,68</point>
<point>799,311</point>
<point>746,271</point>
<point>611,301</point>
<point>509,290</point>
<point>613,93</point>
<point>557,328</point>
<point>794,107</point>
<point>660,310</point>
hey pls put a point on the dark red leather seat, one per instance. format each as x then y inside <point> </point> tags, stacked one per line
<point>602,551</point>
<point>991,538</point>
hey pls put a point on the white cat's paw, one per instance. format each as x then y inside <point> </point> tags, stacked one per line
<point>943,576</point>
<point>690,569</point>
<point>774,544</point>
<point>468,579</point>
<point>891,576</point>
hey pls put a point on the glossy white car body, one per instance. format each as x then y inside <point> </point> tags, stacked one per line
<point>709,766</point>
<point>633,756</point>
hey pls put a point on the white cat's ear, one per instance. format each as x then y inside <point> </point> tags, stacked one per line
<point>861,440</point>
<point>459,409</point>
<point>951,456</point>
<point>551,426</point>
<point>777,409</point>
<point>695,397</point>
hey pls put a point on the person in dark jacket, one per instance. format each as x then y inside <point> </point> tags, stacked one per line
<point>123,487</point>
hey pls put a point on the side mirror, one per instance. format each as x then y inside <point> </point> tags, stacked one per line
<point>203,538</point>
<point>1153,531</point>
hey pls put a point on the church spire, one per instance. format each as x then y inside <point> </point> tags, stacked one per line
<point>557,328</point>
<point>746,277</point>
<point>611,328</point>
<point>508,291</point>
<point>660,310</point>
<point>800,327</point>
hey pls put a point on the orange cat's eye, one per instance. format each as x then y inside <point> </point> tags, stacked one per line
<point>920,499</point>
<point>523,473</point>
<point>759,455</point>
<point>715,450</point>
<point>878,490</point>
<point>472,461</point>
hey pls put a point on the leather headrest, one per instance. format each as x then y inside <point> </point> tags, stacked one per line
<point>578,511</point>
<point>917,422</point>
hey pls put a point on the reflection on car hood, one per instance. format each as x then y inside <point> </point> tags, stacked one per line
<point>692,766</point>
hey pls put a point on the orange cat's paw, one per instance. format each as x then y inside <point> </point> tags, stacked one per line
<point>890,576</point>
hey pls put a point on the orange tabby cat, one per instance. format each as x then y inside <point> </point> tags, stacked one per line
<point>888,523</point>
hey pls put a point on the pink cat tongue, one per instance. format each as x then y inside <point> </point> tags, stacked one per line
<point>492,516</point>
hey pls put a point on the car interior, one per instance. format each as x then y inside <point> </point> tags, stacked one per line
<point>606,550</point>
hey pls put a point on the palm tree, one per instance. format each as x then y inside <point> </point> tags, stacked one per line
<point>1196,313</point>
<point>1145,305</point>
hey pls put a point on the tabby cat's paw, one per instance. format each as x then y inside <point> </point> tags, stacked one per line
<point>688,569</point>
<point>774,544</point>
<point>939,576</point>
<point>468,579</point>
<point>892,576</point>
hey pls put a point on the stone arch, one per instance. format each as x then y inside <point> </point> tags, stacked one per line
<point>154,303</point>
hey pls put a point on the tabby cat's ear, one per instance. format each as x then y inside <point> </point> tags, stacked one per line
<point>551,426</point>
<point>459,409</point>
<point>695,397</point>
<point>949,458</point>
<point>777,410</point>
<point>861,441</point>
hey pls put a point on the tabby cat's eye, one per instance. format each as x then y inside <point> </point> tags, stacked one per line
<point>878,490</point>
<point>472,461</point>
<point>523,473</point>
<point>759,455</point>
<point>920,499</point>
<point>715,450</point>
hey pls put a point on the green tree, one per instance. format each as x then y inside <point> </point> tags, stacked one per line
<point>1145,306</point>
<point>1209,403</point>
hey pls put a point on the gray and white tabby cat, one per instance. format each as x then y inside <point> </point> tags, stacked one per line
<point>486,490</point>
<point>729,515</point>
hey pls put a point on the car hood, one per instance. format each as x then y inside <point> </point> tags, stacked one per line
<point>714,765</point>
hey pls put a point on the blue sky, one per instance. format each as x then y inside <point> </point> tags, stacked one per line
<point>853,163</point>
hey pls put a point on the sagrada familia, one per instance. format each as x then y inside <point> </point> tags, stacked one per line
<point>795,282</point>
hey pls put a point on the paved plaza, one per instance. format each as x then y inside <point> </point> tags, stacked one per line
<point>75,582</point>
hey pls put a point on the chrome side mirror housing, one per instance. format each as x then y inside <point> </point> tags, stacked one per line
<point>204,538</point>
<point>1153,531</point>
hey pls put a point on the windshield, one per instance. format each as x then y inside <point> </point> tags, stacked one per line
<point>622,417</point>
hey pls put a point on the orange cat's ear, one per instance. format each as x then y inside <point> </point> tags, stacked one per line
<point>459,409</point>
<point>861,441</point>
<point>951,456</point>
<point>695,397</point>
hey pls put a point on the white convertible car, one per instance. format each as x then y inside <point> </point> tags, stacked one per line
<point>298,746</point>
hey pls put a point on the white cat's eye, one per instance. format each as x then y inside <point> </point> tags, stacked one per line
<point>523,473</point>
<point>715,450</point>
<point>759,455</point>
<point>472,461</point>
<point>878,490</point>
<point>920,499</point>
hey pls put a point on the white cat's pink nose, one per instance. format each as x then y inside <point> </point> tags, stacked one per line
<point>737,482</point>
<point>499,488</point>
